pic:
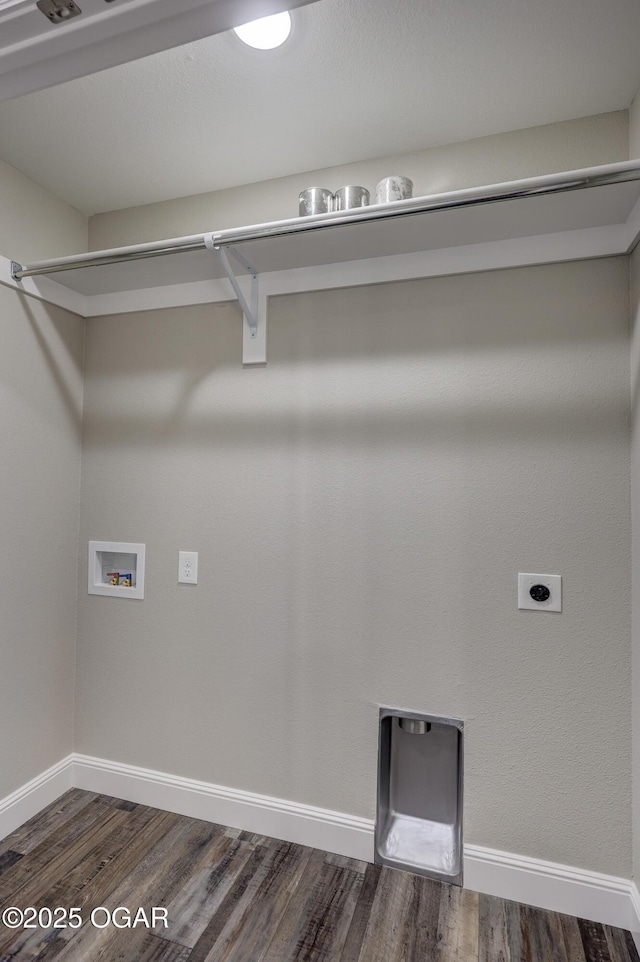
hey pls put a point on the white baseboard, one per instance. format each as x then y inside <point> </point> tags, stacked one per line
<point>560,888</point>
<point>317,827</point>
<point>31,798</point>
<point>548,885</point>
<point>634,925</point>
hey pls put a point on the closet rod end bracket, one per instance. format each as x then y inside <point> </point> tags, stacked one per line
<point>15,269</point>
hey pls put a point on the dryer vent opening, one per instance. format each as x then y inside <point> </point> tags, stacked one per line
<point>415,726</point>
<point>419,817</point>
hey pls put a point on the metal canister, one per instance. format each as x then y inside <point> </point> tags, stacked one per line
<point>315,200</point>
<point>394,188</point>
<point>349,197</point>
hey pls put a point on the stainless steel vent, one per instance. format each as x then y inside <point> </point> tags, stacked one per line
<point>420,772</point>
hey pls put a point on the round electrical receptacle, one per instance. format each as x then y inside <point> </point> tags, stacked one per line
<point>540,593</point>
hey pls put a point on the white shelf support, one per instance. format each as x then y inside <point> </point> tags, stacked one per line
<point>254,349</point>
<point>254,341</point>
<point>249,315</point>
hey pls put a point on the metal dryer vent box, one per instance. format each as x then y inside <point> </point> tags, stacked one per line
<point>420,778</point>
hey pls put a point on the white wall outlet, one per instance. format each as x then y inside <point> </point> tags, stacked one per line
<point>188,567</point>
<point>540,592</point>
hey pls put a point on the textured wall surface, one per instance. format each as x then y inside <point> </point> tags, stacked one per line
<point>34,224</point>
<point>40,425</point>
<point>635,555</point>
<point>634,127</point>
<point>362,507</point>
<point>602,139</point>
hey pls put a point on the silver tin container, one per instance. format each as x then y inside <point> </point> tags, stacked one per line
<point>349,197</point>
<point>394,188</point>
<point>316,200</point>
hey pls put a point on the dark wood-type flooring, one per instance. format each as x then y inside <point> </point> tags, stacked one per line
<point>236,897</point>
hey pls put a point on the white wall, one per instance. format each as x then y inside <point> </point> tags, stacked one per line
<point>361,508</point>
<point>634,151</point>
<point>34,224</point>
<point>635,560</point>
<point>40,427</point>
<point>634,127</point>
<point>522,153</point>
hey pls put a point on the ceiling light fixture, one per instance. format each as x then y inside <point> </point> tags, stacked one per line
<point>266,33</point>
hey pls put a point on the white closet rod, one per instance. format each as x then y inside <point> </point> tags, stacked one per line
<point>547,184</point>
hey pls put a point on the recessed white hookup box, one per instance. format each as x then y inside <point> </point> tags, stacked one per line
<point>116,568</point>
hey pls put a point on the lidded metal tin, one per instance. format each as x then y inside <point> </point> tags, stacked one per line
<point>315,200</point>
<point>349,197</point>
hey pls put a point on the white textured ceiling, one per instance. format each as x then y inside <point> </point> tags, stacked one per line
<point>358,79</point>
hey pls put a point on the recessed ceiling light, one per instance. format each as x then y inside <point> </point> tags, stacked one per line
<point>266,33</point>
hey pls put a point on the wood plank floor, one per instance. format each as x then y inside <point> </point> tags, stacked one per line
<point>231,896</point>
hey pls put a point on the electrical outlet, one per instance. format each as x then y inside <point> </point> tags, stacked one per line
<point>188,567</point>
<point>540,592</point>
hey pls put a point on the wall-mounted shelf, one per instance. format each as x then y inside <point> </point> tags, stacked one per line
<point>587,213</point>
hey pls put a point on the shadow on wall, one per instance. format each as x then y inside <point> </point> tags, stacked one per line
<point>362,506</point>
<point>519,356</point>
<point>57,325</point>
<point>511,309</point>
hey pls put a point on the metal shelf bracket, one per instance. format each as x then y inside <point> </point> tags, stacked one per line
<point>254,337</point>
<point>250,311</point>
